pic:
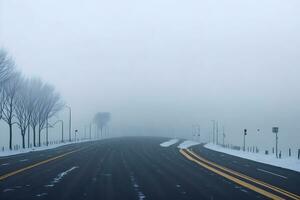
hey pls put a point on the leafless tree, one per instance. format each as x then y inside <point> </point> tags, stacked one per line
<point>11,88</point>
<point>36,87</point>
<point>6,70</point>
<point>23,108</point>
<point>101,120</point>
<point>50,104</point>
<point>6,66</point>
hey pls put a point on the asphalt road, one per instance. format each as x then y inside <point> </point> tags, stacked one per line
<point>131,168</point>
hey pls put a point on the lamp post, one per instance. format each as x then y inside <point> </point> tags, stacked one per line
<point>70,121</point>
<point>90,131</point>
<point>213,132</point>
<point>224,136</point>
<point>62,130</point>
<point>217,133</point>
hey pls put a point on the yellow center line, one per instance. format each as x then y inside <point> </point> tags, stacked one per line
<point>234,179</point>
<point>35,165</point>
<point>279,190</point>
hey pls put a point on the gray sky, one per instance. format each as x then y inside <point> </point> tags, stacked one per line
<point>161,64</point>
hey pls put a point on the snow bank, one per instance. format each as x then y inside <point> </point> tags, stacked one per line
<point>187,144</point>
<point>169,143</point>
<point>287,163</point>
<point>27,150</point>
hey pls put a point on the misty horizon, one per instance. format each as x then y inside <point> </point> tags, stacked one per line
<point>160,67</point>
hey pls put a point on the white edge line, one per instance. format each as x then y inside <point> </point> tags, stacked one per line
<point>262,170</point>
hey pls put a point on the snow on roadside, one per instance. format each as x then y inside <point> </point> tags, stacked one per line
<point>287,163</point>
<point>169,143</point>
<point>187,144</point>
<point>27,150</point>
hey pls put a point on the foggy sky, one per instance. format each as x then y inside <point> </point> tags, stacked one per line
<point>165,65</point>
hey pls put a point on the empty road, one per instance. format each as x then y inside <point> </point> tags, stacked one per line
<point>138,168</point>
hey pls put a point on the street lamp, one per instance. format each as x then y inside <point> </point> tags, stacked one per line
<point>213,132</point>
<point>224,136</point>
<point>217,133</point>
<point>70,121</point>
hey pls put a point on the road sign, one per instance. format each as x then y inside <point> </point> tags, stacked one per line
<point>275,129</point>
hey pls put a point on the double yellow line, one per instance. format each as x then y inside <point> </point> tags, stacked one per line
<point>237,177</point>
<point>5,176</point>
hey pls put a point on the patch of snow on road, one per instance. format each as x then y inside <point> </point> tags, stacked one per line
<point>287,163</point>
<point>140,194</point>
<point>5,164</point>
<point>187,144</point>
<point>169,143</point>
<point>60,176</point>
<point>41,195</point>
<point>8,190</point>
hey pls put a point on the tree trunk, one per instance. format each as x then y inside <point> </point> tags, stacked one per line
<point>23,139</point>
<point>39,137</point>
<point>10,136</point>
<point>34,134</point>
<point>28,142</point>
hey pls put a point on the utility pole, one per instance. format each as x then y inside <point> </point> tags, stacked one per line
<point>47,131</point>
<point>199,133</point>
<point>217,133</point>
<point>90,131</point>
<point>223,136</point>
<point>213,132</point>
<point>244,144</point>
<point>28,134</point>
<point>62,131</point>
<point>275,130</point>
<point>70,122</point>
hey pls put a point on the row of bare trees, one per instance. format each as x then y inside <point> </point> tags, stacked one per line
<point>101,119</point>
<point>26,102</point>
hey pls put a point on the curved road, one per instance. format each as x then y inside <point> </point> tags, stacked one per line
<point>129,168</point>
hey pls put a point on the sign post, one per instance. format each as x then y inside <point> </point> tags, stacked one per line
<point>244,145</point>
<point>275,130</point>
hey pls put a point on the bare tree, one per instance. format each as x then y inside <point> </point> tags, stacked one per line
<point>101,120</point>
<point>6,66</point>
<point>50,105</point>
<point>22,108</point>
<point>35,91</point>
<point>11,88</point>
<point>6,70</point>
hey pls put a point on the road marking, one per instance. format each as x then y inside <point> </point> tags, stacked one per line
<point>234,179</point>
<point>35,165</point>
<point>4,164</point>
<point>286,193</point>
<point>262,170</point>
<point>207,163</point>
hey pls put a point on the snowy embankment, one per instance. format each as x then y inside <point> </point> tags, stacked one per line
<point>287,163</point>
<point>169,143</point>
<point>187,144</point>
<point>27,150</point>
